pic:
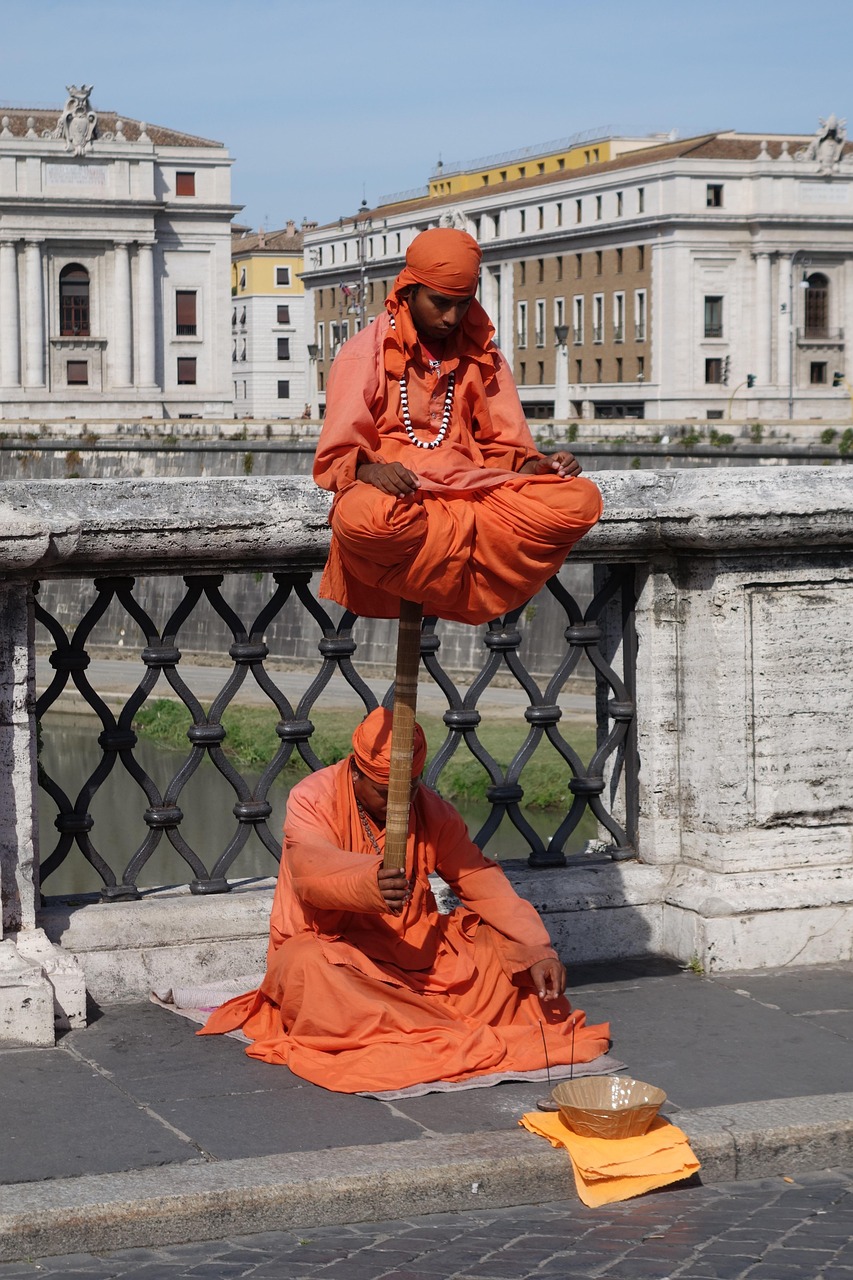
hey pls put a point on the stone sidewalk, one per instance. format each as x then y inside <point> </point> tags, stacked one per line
<point>136,1133</point>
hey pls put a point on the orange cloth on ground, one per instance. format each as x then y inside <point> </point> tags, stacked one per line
<point>355,998</point>
<point>608,1169</point>
<point>476,539</point>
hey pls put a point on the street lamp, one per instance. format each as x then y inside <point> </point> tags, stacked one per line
<point>313,352</point>
<point>561,379</point>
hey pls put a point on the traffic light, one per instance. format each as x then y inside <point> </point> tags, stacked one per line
<point>837,379</point>
<point>750,379</point>
<point>725,378</point>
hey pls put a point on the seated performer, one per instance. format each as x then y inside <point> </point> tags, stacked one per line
<point>367,986</point>
<point>441,496</point>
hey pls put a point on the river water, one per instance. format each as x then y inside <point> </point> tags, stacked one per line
<point>70,753</point>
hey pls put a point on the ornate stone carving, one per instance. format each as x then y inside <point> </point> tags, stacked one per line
<point>78,124</point>
<point>454,218</point>
<point>827,146</point>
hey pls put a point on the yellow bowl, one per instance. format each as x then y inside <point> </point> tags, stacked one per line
<point>608,1106</point>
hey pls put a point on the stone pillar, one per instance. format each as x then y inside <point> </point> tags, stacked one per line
<point>784,329</point>
<point>763,326</point>
<point>507,313</point>
<point>119,342</point>
<point>10,316</point>
<point>562,401</point>
<point>145,327</point>
<point>35,354</point>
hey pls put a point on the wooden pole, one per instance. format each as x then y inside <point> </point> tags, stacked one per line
<point>403,734</point>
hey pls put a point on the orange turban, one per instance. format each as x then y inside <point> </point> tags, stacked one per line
<point>443,259</point>
<point>371,747</point>
<point>447,261</point>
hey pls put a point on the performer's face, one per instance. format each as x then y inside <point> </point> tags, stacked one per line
<point>373,797</point>
<point>436,316</point>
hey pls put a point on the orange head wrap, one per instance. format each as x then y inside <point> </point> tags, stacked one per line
<point>371,747</point>
<point>447,261</point>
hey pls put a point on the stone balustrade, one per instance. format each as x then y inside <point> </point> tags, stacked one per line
<point>744,683</point>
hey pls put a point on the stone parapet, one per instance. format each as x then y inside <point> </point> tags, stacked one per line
<point>744,679</point>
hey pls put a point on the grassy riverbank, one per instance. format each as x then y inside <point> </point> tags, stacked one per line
<point>251,740</point>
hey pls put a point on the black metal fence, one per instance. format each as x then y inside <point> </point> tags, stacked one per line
<point>606,784</point>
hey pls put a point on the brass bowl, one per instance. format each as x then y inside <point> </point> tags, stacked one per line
<point>608,1106</point>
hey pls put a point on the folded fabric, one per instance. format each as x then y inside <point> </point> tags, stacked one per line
<point>608,1169</point>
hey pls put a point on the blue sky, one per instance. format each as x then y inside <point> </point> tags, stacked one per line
<point>323,102</point>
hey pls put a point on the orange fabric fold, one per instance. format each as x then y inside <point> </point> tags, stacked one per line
<point>357,999</point>
<point>609,1169</point>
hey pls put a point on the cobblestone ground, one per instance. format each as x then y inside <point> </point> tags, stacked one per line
<point>775,1229</point>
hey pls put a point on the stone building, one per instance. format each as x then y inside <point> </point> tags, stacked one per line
<point>705,278</point>
<point>114,267</point>
<point>269,355</point>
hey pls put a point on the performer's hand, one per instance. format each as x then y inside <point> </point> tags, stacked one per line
<point>564,463</point>
<point>549,978</point>
<point>389,477</point>
<point>395,889</point>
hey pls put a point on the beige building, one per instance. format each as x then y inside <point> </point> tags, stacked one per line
<point>655,277</point>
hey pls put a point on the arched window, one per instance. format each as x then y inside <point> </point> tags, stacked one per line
<point>74,301</point>
<point>817,306</point>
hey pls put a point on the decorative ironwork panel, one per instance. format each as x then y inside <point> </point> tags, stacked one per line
<point>161,813</point>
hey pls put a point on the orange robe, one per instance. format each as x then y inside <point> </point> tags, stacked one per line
<point>357,999</point>
<point>477,538</point>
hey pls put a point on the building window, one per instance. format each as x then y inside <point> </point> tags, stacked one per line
<point>282,277</point>
<point>74,301</point>
<point>234,318</point>
<point>641,199</point>
<point>186,371</point>
<point>817,373</point>
<point>713,316</point>
<point>522,171</point>
<point>641,257</point>
<point>598,317</point>
<point>619,204</point>
<point>77,373</point>
<point>282,348</point>
<point>243,278</point>
<point>522,373</point>
<point>522,220</point>
<point>598,208</point>
<point>714,370</point>
<point>522,273</point>
<point>640,315</point>
<point>282,315</point>
<point>618,368</point>
<point>714,195</point>
<point>598,369</point>
<point>184,184</point>
<point>540,270</point>
<point>244,351</point>
<point>283,390</point>
<point>577,319</point>
<point>561,163</point>
<point>503,174</point>
<point>321,341</point>
<point>541,372</point>
<point>598,262</point>
<point>817,306</point>
<point>559,212</point>
<point>521,329</point>
<point>540,216</point>
<point>579,211</point>
<point>618,317</point>
<point>578,265</point>
<point>641,368</point>
<point>579,371</point>
<point>559,262</point>
<point>185,313</point>
<point>559,311</point>
<point>618,262</point>
<point>540,322</point>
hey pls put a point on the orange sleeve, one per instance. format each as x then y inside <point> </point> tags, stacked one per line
<point>507,444</point>
<point>322,874</point>
<point>483,887</point>
<point>349,436</point>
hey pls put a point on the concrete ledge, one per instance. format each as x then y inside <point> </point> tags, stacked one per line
<point>196,1201</point>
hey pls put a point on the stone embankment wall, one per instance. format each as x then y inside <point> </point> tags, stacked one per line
<point>744,678</point>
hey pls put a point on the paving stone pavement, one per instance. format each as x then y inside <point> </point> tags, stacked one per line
<point>773,1229</point>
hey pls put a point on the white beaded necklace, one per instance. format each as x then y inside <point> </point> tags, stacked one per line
<point>445,417</point>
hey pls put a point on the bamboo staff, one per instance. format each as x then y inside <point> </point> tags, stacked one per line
<point>403,735</point>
